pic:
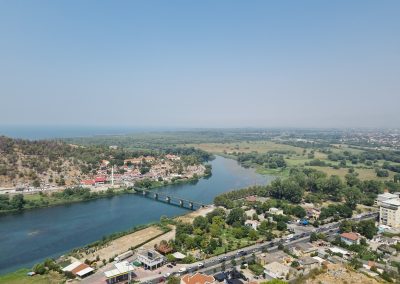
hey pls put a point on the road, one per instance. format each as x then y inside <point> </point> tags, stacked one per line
<point>209,265</point>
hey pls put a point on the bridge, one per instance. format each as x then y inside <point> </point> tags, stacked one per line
<point>169,199</point>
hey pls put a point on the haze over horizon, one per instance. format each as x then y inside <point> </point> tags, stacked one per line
<point>200,64</point>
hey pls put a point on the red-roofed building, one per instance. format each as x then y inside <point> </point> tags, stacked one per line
<point>350,238</point>
<point>87,182</point>
<point>197,278</point>
<point>100,180</point>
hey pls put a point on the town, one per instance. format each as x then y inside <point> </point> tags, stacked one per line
<point>363,247</point>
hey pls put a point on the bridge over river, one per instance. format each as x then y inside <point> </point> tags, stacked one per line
<point>169,199</point>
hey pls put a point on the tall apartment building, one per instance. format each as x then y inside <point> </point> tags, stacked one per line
<point>389,212</point>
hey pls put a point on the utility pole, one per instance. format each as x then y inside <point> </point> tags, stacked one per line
<point>112,175</point>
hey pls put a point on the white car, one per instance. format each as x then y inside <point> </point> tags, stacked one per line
<point>183,269</point>
<point>200,265</point>
<point>166,275</point>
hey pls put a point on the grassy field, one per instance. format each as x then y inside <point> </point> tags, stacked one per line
<point>294,159</point>
<point>20,277</point>
<point>246,147</point>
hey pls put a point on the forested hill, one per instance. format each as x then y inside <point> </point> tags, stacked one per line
<point>26,162</point>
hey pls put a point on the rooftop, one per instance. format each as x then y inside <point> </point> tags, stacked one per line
<point>350,236</point>
<point>197,278</point>
<point>393,202</point>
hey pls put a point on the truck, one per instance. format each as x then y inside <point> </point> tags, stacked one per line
<point>123,256</point>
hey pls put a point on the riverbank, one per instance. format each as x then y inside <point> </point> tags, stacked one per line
<point>56,230</point>
<point>46,200</point>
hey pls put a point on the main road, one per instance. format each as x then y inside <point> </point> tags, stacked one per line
<point>208,266</point>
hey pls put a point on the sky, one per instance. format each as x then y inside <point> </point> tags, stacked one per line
<point>200,63</point>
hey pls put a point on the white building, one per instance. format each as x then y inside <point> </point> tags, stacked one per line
<point>385,197</point>
<point>150,259</point>
<point>276,270</point>
<point>123,271</point>
<point>389,212</point>
<point>275,211</point>
<point>252,223</point>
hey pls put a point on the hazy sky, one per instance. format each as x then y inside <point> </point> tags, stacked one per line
<point>200,63</point>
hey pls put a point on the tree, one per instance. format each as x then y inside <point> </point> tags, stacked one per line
<point>173,280</point>
<point>313,237</point>
<point>17,202</point>
<point>237,216</point>
<point>200,222</point>
<point>367,228</point>
<point>39,268</point>
<point>353,196</point>
<point>253,235</point>
<point>281,226</point>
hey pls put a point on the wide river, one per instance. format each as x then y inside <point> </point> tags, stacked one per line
<point>31,236</point>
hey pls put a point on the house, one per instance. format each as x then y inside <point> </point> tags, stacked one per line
<point>387,249</point>
<point>79,269</point>
<point>276,270</point>
<point>100,180</point>
<point>150,259</point>
<point>385,240</point>
<point>252,223</point>
<point>88,182</point>
<point>303,249</point>
<point>308,263</point>
<point>172,157</point>
<point>275,211</point>
<point>197,278</point>
<point>278,256</point>
<point>350,238</point>
<point>345,253</point>
<point>389,212</point>
<point>122,271</point>
<point>251,198</point>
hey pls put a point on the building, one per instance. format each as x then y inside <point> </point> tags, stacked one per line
<point>150,259</point>
<point>386,196</point>
<point>123,271</point>
<point>387,250</point>
<point>277,256</point>
<point>276,270</point>
<point>308,263</point>
<point>88,182</point>
<point>252,223</point>
<point>350,238</point>
<point>275,211</point>
<point>303,249</point>
<point>389,212</point>
<point>79,269</point>
<point>197,278</point>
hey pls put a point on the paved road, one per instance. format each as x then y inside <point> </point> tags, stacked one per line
<point>210,264</point>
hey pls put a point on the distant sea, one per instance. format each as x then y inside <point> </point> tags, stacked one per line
<point>49,132</point>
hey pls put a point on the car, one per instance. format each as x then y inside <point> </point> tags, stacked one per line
<point>166,275</point>
<point>182,269</point>
<point>200,265</point>
<point>170,266</point>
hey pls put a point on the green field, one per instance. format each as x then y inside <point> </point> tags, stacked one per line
<point>20,277</point>
<point>296,158</point>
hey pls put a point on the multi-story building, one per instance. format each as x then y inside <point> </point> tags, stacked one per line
<point>389,213</point>
<point>150,259</point>
<point>385,197</point>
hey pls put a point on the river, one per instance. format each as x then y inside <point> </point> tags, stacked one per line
<point>31,236</point>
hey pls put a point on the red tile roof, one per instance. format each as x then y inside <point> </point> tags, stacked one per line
<point>350,236</point>
<point>88,181</point>
<point>197,278</point>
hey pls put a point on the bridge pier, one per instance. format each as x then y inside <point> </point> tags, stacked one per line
<point>144,193</point>
<point>168,199</point>
<point>191,205</point>
<point>156,196</point>
<point>181,202</point>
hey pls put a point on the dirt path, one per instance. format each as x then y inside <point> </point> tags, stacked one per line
<point>124,243</point>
